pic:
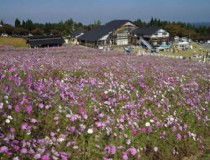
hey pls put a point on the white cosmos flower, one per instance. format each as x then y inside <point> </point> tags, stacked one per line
<point>155,149</point>
<point>1,105</point>
<point>61,139</point>
<point>152,120</point>
<point>9,117</point>
<point>90,131</point>
<point>7,121</point>
<point>147,124</point>
<point>6,97</point>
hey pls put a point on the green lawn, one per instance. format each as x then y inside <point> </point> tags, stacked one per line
<point>190,52</point>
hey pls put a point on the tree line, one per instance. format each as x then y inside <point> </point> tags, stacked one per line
<point>65,28</point>
<point>29,27</point>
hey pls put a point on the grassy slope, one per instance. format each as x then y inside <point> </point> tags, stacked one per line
<point>10,41</point>
<point>196,47</point>
<point>187,53</point>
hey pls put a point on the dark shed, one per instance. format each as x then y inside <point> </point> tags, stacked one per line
<point>45,41</point>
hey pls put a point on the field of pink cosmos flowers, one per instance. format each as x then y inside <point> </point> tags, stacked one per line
<point>81,103</point>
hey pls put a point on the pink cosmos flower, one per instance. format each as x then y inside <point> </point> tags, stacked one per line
<point>45,157</point>
<point>158,124</point>
<point>37,156</point>
<point>24,151</point>
<point>125,156</point>
<point>33,120</point>
<point>174,129</point>
<point>24,125</point>
<point>144,130</point>
<point>179,136</point>
<point>150,129</point>
<point>110,149</point>
<point>132,150</point>
<point>16,147</point>
<point>100,124</point>
<point>73,128</point>
<point>41,105</point>
<point>134,132</point>
<point>3,149</point>
<point>17,108</point>
<point>29,109</point>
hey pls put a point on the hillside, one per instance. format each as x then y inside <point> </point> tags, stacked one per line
<point>82,103</point>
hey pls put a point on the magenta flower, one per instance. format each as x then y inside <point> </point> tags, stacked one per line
<point>150,129</point>
<point>45,157</point>
<point>132,150</point>
<point>110,149</point>
<point>37,156</point>
<point>100,124</point>
<point>158,124</point>
<point>33,120</point>
<point>174,129</point>
<point>24,151</point>
<point>24,125</point>
<point>134,132</point>
<point>16,147</point>
<point>29,109</point>
<point>3,149</point>
<point>179,136</point>
<point>41,105</point>
<point>144,130</point>
<point>17,108</point>
<point>125,156</point>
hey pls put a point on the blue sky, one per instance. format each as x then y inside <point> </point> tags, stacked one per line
<point>86,11</point>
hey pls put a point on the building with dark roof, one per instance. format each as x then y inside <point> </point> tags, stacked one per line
<point>116,32</point>
<point>155,35</point>
<point>45,41</point>
<point>75,35</point>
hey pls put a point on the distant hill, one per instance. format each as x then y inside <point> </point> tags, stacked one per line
<point>199,24</point>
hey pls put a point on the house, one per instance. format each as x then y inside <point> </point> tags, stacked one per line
<point>75,35</point>
<point>153,35</point>
<point>45,41</point>
<point>182,43</point>
<point>116,32</point>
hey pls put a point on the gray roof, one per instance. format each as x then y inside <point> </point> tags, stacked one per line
<point>76,33</point>
<point>45,40</point>
<point>147,30</point>
<point>97,33</point>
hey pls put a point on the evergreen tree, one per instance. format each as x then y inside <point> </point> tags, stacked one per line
<point>23,24</point>
<point>1,22</point>
<point>29,25</point>
<point>17,23</point>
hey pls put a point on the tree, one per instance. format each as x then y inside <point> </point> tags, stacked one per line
<point>21,31</point>
<point>1,22</point>
<point>37,31</point>
<point>95,24</point>
<point>139,22</point>
<point>69,26</point>
<point>23,24</point>
<point>151,21</point>
<point>29,25</point>
<point>8,29</point>
<point>17,23</point>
